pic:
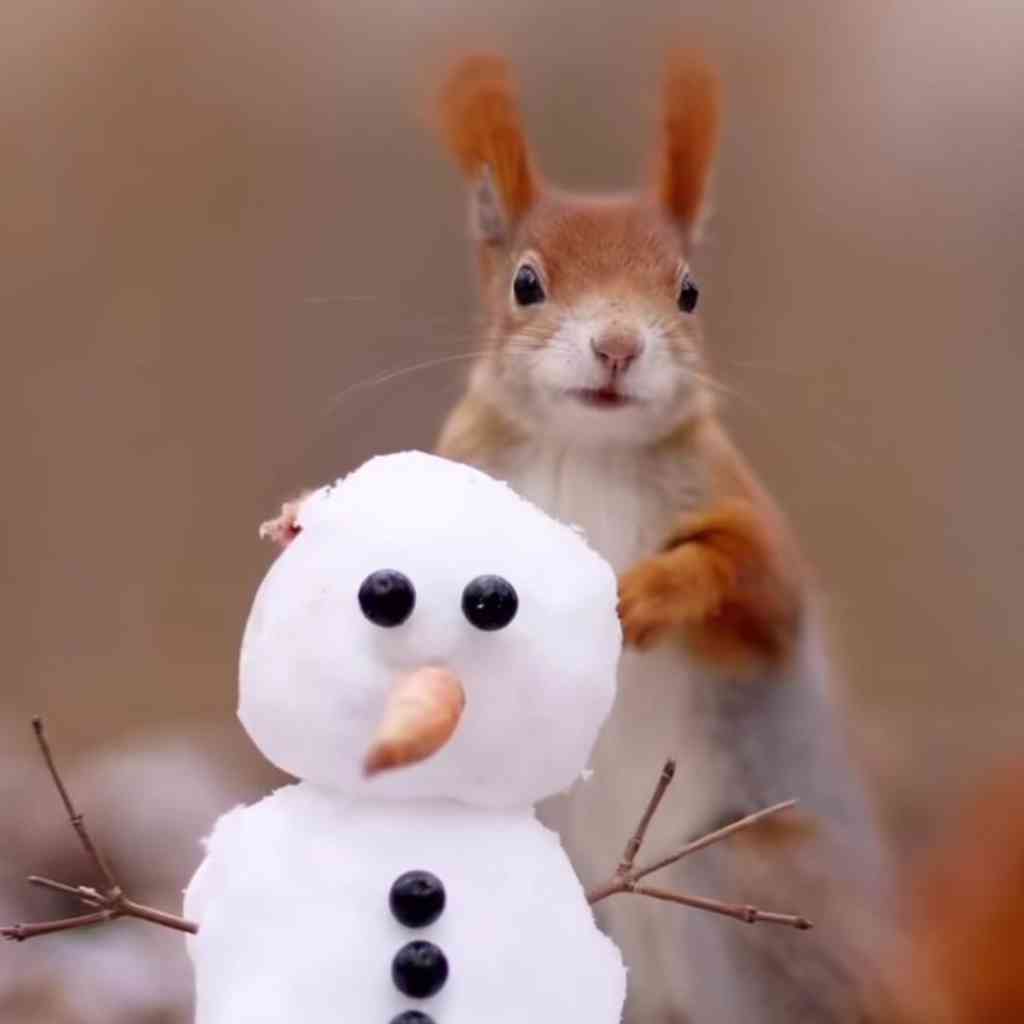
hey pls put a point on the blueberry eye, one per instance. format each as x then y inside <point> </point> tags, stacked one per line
<point>387,597</point>
<point>490,602</point>
<point>688,293</point>
<point>526,286</point>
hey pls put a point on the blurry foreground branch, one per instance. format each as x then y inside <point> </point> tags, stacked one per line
<point>107,903</point>
<point>627,876</point>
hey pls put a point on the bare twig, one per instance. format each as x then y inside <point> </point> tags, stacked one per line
<point>123,906</point>
<point>179,924</point>
<point>636,840</point>
<point>713,837</point>
<point>742,912</point>
<point>111,903</point>
<point>21,932</point>
<point>86,893</point>
<point>77,820</point>
<point>626,876</point>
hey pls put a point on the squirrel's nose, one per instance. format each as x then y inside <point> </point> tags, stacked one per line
<point>615,351</point>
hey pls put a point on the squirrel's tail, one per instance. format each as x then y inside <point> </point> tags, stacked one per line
<point>966,956</point>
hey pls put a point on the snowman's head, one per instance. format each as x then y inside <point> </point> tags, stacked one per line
<point>430,634</point>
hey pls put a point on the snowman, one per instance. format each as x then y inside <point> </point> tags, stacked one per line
<point>431,656</point>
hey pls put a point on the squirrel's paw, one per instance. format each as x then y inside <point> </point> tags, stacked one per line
<point>655,600</point>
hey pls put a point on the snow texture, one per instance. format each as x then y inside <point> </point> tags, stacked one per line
<point>292,899</point>
<point>295,926</point>
<point>315,673</point>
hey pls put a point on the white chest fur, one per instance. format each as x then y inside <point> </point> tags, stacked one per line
<point>625,502</point>
<point>294,924</point>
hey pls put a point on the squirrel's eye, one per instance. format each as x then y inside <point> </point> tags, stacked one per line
<point>490,602</point>
<point>526,286</point>
<point>387,597</point>
<point>688,294</point>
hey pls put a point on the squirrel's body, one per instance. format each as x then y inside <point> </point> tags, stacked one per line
<point>590,399</point>
<point>742,742</point>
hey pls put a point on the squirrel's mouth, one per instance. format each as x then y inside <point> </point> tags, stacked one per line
<point>601,398</point>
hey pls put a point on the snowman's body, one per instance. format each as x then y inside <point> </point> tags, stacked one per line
<point>319,937</point>
<point>432,655</point>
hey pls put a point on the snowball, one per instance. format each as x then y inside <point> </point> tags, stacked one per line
<point>316,673</point>
<point>294,922</point>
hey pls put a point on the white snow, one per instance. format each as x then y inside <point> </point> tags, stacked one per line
<point>292,899</point>
<point>315,673</point>
<point>295,925</point>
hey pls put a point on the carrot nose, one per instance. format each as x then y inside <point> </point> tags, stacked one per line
<point>616,350</point>
<point>420,717</point>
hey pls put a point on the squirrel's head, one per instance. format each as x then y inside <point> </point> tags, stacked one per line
<point>590,301</point>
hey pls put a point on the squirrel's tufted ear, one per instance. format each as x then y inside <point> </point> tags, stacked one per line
<point>689,137</point>
<point>482,126</point>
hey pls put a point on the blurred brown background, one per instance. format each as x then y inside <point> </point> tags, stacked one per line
<point>223,226</point>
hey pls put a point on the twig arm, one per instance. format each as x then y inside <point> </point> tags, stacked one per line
<point>121,906</point>
<point>712,837</point>
<point>85,893</point>
<point>21,932</point>
<point>77,821</point>
<point>741,912</point>
<point>627,877</point>
<point>111,903</point>
<point>636,840</point>
<point>132,909</point>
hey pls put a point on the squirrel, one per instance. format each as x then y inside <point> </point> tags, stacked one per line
<point>591,398</point>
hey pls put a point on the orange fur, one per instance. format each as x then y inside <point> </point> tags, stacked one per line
<point>967,909</point>
<point>723,584</point>
<point>689,135</point>
<point>482,127</point>
<point>582,244</point>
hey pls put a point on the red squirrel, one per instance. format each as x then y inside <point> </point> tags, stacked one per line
<point>592,399</point>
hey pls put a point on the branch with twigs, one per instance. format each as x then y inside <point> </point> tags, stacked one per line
<point>627,876</point>
<point>109,902</point>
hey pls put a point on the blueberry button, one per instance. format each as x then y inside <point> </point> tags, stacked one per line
<point>419,970</point>
<point>417,899</point>
<point>412,1017</point>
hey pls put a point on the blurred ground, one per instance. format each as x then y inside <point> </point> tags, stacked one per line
<point>224,226</point>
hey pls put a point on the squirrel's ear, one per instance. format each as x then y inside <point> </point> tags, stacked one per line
<point>689,137</point>
<point>481,125</point>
